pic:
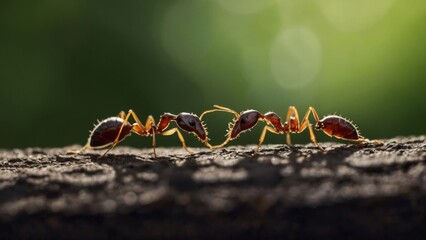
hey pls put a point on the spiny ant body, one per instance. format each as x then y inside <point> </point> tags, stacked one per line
<point>106,131</point>
<point>332,125</point>
<point>112,130</point>
<point>338,127</point>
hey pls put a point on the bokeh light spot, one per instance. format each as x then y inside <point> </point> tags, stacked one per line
<point>295,57</point>
<point>354,15</point>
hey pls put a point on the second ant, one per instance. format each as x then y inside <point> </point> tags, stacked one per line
<point>332,125</point>
<point>112,130</point>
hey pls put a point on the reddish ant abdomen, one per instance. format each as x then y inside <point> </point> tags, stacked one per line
<point>107,130</point>
<point>339,127</point>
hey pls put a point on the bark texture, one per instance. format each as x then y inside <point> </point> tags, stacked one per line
<point>348,191</point>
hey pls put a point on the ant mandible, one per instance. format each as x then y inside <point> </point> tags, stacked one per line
<point>110,131</point>
<point>332,125</point>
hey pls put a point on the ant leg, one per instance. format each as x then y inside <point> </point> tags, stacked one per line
<point>154,144</point>
<point>262,136</point>
<point>312,136</point>
<point>150,122</point>
<point>78,151</point>
<point>366,140</point>
<point>288,139</point>
<point>209,145</point>
<point>141,130</point>
<point>122,115</point>
<point>209,111</point>
<point>305,123</point>
<point>225,109</point>
<point>176,130</point>
<point>228,137</point>
<point>148,126</point>
<point>222,144</point>
<point>220,109</point>
<point>292,120</point>
<point>314,113</point>
<point>126,119</point>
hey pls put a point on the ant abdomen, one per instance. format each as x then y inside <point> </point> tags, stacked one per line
<point>339,127</point>
<point>106,131</point>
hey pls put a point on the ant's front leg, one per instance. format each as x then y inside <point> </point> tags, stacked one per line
<point>228,136</point>
<point>262,136</point>
<point>305,123</point>
<point>149,127</point>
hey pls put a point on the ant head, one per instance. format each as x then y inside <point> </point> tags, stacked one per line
<point>319,125</point>
<point>246,120</point>
<point>328,122</point>
<point>191,123</point>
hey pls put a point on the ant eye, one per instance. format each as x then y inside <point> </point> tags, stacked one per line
<point>191,122</point>
<point>243,120</point>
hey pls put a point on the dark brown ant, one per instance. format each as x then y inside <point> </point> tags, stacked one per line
<point>332,125</point>
<point>112,130</point>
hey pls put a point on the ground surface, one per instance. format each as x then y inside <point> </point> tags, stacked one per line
<point>348,191</point>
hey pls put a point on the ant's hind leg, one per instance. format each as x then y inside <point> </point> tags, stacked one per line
<point>125,120</point>
<point>78,151</point>
<point>306,124</point>
<point>363,140</point>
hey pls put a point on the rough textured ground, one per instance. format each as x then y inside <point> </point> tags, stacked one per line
<point>375,191</point>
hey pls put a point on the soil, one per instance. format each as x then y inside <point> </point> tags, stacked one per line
<point>348,191</point>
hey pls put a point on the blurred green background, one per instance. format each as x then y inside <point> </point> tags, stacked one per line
<point>65,64</point>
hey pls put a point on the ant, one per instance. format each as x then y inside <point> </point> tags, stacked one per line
<point>110,131</point>
<point>332,125</point>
